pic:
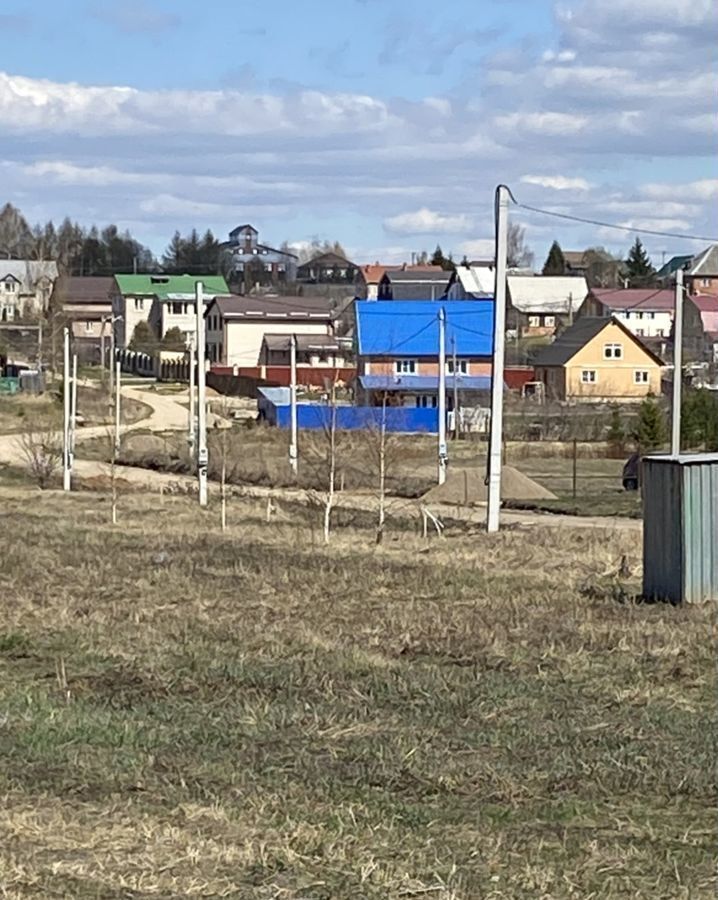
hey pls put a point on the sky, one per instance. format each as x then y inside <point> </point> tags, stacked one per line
<point>384,124</point>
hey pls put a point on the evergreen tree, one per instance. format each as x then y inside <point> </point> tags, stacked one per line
<point>699,421</point>
<point>639,268</point>
<point>144,339</point>
<point>650,431</point>
<point>173,340</point>
<point>438,258</point>
<point>555,261</point>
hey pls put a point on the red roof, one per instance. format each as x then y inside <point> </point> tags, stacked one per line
<point>706,302</point>
<point>374,273</point>
<point>649,299</point>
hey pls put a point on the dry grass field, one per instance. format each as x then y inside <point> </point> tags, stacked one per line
<point>248,714</point>
<point>21,412</point>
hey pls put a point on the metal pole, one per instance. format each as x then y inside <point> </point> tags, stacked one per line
<point>73,404</point>
<point>443,453</point>
<point>456,389</point>
<point>39,347</point>
<point>574,473</point>
<point>66,464</point>
<point>293,443</point>
<point>192,421</point>
<point>497,371</point>
<point>202,456</point>
<point>112,357</point>
<point>677,366</point>
<point>102,345</point>
<point>118,379</point>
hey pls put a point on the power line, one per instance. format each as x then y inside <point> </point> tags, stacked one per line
<point>626,228</point>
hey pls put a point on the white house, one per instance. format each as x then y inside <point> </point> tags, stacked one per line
<point>236,326</point>
<point>25,287</point>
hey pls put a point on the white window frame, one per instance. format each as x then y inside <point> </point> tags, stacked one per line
<point>139,304</point>
<point>406,366</point>
<point>589,376</point>
<point>462,365</point>
<point>89,326</point>
<point>549,321</point>
<point>534,321</point>
<point>613,351</point>
<point>11,286</point>
<point>641,376</point>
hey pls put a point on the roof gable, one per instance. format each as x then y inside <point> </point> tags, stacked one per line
<point>385,328</point>
<point>547,293</point>
<point>579,335</point>
<point>242,228</point>
<point>706,263</point>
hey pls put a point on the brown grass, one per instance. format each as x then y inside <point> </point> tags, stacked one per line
<point>187,713</point>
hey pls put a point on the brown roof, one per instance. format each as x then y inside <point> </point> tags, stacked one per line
<point>644,299</point>
<point>86,289</point>
<point>374,273</point>
<point>298,308</point>
<point>575,258</point>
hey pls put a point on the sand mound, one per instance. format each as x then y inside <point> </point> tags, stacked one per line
<point>466,486</point>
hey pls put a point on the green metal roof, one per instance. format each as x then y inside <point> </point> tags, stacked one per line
<point>162,286</point>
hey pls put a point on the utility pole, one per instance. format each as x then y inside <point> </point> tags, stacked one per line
<point>118,378</point>
<point>497,370</point>
<point>73,406</point>
<point>293,443</point>
<point>112,356</point>
<point>102,346</point>
<point>456,388</point>
<point>677,366</point>
<point>443,453</point>
<point>192,420</point>
<point>66,457</point>
<point>202,457</point>
<point>570,309</point>
<point>39,346</point>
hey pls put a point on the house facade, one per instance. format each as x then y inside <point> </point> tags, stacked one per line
<point>163,301</point>
<point>541,304</point>
<point>598,360</point>
<point>25,287</point>
<point>398,351</point>
<point>87,306</point>
<point>702,272</point>
<point>327,268</point>
<point>648,314</point>
<point>253,263</point>
<point>414,283</point>
<point>236,326</point>
<point>316,351</point>
<point>472,282</point>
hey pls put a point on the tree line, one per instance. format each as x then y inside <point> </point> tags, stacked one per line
<point>605,270</point>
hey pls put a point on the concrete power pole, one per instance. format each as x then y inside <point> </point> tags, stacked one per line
<point>73,406</point>
<point>456,387</point>
<point>443,453</point>
<point>66,456</point>
<point>192,420</point>
<point>677,366</point>
<point>202,456</point>
<point>293,443</point>
<point>497,379</point>
<point>118,379</point>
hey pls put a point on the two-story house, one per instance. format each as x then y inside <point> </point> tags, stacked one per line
<point>163,301</point>
<point>702,272</point>
<point>541,304</point>
<point>86,304</point>
<point>25,287</point>
<point>236,327</point>
<point>414,283</point>
<point>397,349</point>
<point>252,263</point>
<point>648,314</point>
<point>598,360</point>
<point>327,268</point>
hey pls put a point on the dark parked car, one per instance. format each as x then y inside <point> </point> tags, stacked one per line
<point>632,473</point>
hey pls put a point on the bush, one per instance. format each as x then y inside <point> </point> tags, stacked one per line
<point>42,450</point>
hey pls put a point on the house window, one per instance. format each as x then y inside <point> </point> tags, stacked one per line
<point>639,332</point>
<point>640,315</point>
<point>462,366</point>
<point>588,376</point>
<point>705,282</point>
<point>88,327</point>
<point>613,351</point>
<point>405,367</point>
<point>139,303</point>
<point>627,315</point>
<point>549,321</point>
<point>176,309</point>
<point>267,267</point>
<point>534,321</point>
<point>641,376</point>
<point>10,286</point>
<point>659,332</point>
<point>651,315</point>
<point>424,402</point>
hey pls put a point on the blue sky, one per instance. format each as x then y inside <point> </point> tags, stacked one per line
<point>385,124</point>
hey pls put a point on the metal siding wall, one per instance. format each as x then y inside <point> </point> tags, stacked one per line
<point>662,531</point>
<point>701,531</point>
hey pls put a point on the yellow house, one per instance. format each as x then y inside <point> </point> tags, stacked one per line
<point>598,359</point>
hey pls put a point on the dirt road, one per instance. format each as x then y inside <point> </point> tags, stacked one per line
<point>169,414</point>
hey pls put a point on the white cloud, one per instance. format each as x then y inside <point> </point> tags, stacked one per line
<point>706,189</point>
<point>426,221</point>
<point>548,123</point>
<point>557,182</point>
<point>477,249</point>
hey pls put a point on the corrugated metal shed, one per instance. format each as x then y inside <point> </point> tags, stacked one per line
<point>680,528</point>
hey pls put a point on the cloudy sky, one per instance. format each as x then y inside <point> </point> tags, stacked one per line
<point>385,124</point>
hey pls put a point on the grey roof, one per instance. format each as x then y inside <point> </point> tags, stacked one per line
<point>28,271</point>
<point>552,294</point>
<point>91,289</point>
<point>565,347</point>
<point>414,276</point>
<point>706,263</point>
<point>305,342</point>
<point>297,308</point>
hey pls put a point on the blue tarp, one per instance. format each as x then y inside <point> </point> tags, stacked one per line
<point>318,416</point>
<point>411,327</point>
<point>425,383</point>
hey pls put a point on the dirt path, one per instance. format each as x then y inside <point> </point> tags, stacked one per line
<point>169,414</point>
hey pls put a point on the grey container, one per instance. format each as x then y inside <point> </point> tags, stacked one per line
<point>680,528</point>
